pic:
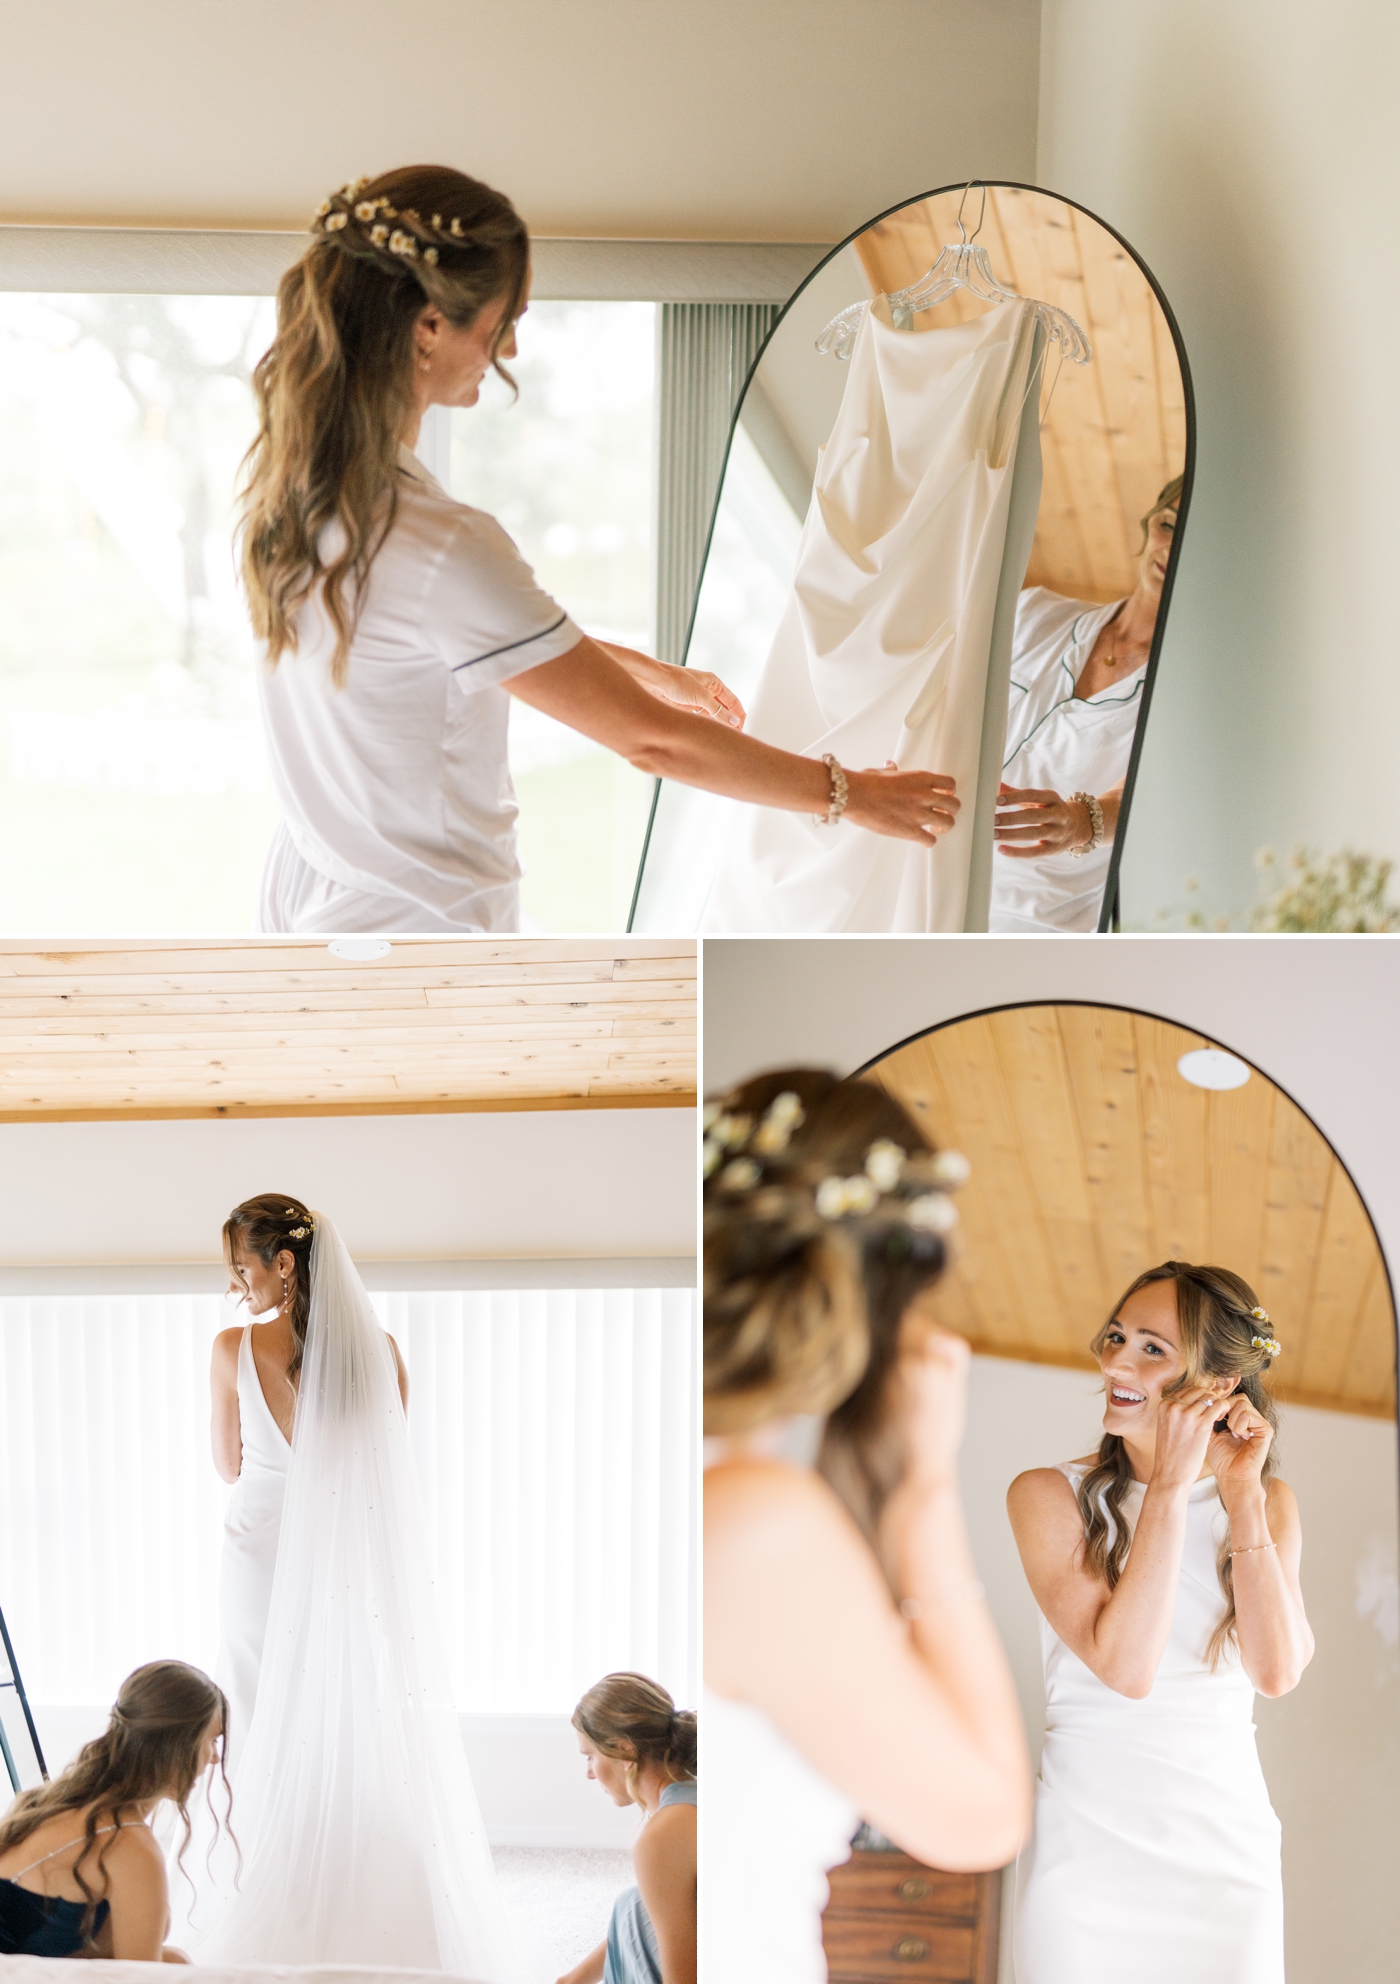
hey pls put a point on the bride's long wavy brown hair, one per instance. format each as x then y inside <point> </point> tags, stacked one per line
<point>1213,1307</point>
<point>335,387</point>
<point>150,1749</point>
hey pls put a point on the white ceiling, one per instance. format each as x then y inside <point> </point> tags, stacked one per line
<point>789,120</point>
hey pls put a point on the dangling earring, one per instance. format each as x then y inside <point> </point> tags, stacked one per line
<point>283,1310</point>
<point>424,362</point>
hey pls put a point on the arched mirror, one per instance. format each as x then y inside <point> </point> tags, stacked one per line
<point>946,536</point>
<point>1094,1157</point>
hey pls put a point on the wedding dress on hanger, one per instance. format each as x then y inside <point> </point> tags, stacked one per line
<point>895,643</point>
<point>353,1806</point>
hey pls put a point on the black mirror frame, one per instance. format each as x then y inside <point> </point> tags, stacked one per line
<point>1170,1019</point>
<point>1108,908</point>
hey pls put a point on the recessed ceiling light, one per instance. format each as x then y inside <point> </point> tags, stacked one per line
<point>359,950</point>
<point>1211,1067</point>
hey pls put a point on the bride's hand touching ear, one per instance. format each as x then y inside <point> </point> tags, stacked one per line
<point>1239,1447</point>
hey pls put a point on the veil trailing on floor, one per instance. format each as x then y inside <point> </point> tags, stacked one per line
<point>361,1837</point>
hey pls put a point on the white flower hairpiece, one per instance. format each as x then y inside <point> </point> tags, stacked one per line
<point>838,1196</point>
<point>335,221</point>
<point>403,244</point>
<point>1267,1344</point>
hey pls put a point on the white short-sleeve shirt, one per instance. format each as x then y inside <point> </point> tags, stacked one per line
<point>1057,742</point>
<point>398,784</point>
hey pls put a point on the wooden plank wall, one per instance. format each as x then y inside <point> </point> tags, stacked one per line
<point>1114,431</point>
<point>269,1027</point>
<point>1093,1159</point>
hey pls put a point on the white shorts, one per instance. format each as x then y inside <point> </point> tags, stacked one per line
<point>294,899</point>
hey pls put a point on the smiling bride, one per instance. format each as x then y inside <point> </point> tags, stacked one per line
<point>1165,1568</point>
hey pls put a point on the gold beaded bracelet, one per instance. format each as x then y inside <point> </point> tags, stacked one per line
<point>1250,1549</point>
<point>836,805</point>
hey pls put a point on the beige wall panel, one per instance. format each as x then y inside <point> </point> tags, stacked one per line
<point>794,120</point>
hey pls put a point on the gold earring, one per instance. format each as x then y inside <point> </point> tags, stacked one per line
<point>424,363</point>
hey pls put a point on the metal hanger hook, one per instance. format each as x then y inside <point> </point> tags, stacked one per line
<point>982,213</point>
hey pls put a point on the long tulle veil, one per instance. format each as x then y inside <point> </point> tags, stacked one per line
<point>361,1836</point>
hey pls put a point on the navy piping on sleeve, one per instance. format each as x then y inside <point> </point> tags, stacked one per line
<point>524,643</point>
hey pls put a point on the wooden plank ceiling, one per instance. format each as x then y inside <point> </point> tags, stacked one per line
<point>274,1027</point>
<point>1114,433</point>
<point>1092,1159</point>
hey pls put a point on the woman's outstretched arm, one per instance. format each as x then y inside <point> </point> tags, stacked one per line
<point>225,1430</point>
<point>594,694</point>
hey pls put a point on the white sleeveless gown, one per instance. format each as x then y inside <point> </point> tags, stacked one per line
<point>252,1526</point>
<point>1155,1852</point>
<point>771,1826</point>
<point>885,650</point>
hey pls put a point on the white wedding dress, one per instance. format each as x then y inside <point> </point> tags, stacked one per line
<point>771,1826</point>
<point>896,641</point>
<point>1155,1850</point>
<point>353,1807</point>
<point>252,1526</point>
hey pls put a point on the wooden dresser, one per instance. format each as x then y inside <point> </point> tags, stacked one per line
<point>889,1918</point>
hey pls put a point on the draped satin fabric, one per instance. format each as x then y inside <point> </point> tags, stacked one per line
<point>885,649</point>
<point>1155,1851</point>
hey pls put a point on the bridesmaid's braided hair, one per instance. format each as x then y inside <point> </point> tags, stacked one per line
<point>1223,1331</point>
<point>271,1224</point>
<point>150,1748</point>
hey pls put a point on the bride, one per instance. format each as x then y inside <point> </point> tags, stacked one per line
<point>1165,1567</point>
<point>361,1835</point>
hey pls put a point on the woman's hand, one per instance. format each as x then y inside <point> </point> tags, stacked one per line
<point>1030,823</point>
<point>928,1399</point>
<point>703,694</point>
<point>1184,1425</point>
<point>1238,1451</point>
<point>905,805</point>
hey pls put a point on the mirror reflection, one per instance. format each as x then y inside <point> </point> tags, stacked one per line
<point>1177,1469</point>
<point>943,541</point>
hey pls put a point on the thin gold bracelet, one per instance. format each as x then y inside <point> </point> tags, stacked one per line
<point>1250,1549</point>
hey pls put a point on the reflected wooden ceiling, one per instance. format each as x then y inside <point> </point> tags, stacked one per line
<point>272,1027</point>
<point>1092,1159</point>
<point>1115,431</point>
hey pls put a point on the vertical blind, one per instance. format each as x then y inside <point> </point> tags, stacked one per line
<point>554,1436</point>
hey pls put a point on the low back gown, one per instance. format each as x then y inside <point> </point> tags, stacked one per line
<point>771,1827</point>
<point>1155,1850</point>
<point>252,1526</point>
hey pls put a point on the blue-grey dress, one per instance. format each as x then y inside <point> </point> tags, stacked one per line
<point>633,1957</point>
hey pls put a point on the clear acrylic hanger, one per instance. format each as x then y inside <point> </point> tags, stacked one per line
<point>961,265</point>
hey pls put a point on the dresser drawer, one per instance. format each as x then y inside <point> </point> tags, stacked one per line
<point>893,1882</point>
<point>890,1918</point>
<point>877,1947</point>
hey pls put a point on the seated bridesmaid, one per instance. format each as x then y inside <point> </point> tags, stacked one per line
<point>81,1873</point>
<point>642,1751</point>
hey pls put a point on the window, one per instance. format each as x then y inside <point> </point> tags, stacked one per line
<point>553,1436</point>
<point>135,793</point>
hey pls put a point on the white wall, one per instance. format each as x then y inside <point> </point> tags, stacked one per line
<point>1250,153</point>
<point>529,1778</point>
<point>793,119</point>
<point>1319,1016</point>
<point>579,1183</point>
<point>1330,1750</point>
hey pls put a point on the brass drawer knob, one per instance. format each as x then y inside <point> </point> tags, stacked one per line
<point>913,1890</point>
<point>911,1949</point>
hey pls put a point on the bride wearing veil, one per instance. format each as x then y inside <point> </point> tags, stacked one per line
<point>362,1841</point>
